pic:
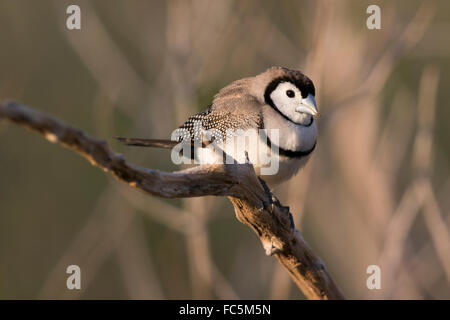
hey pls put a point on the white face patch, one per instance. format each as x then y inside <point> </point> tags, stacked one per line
<point>287,97</point>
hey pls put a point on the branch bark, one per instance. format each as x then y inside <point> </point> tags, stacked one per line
<point>254,205</point>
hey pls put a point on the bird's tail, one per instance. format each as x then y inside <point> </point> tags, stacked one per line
<point>153,143</point>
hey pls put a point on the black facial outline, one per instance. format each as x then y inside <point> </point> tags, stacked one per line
<point>303,83</point>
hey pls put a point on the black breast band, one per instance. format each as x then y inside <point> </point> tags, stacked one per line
<point>290,153</point>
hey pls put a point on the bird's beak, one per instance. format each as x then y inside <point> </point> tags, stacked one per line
<point>308,105</point>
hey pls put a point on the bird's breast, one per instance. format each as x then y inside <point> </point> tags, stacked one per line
<point>291,136</point>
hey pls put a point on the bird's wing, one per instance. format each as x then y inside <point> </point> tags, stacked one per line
<point>232,108</point>
<point>224,115</point>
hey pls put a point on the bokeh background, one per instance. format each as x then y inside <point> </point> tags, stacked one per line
<point>375,192</point>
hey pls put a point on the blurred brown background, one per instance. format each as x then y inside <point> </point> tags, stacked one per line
<point>376,190</point>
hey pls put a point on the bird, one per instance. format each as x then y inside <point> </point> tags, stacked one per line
<point>278,102</point>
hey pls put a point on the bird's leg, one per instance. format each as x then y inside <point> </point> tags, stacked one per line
<point>273,199</point>
<point>266,188</point>
<point>275,202</point>
<point>269,245</point>
<point>271,196</point>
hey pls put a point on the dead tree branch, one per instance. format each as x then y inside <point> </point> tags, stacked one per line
<point>254,205</point>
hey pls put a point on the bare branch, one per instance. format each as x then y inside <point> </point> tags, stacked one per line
<point>253,204</point>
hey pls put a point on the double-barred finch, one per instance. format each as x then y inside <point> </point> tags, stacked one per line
<point>278,98</point>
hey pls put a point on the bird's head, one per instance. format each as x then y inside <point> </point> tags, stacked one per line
<point>290,93</point>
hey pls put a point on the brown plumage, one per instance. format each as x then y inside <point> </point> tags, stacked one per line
<point>236,106</point>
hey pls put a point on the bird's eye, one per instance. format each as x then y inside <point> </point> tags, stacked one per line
<point>290,93</point>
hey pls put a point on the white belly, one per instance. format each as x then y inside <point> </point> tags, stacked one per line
<point>272,167</point>
<point>288,167</point>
